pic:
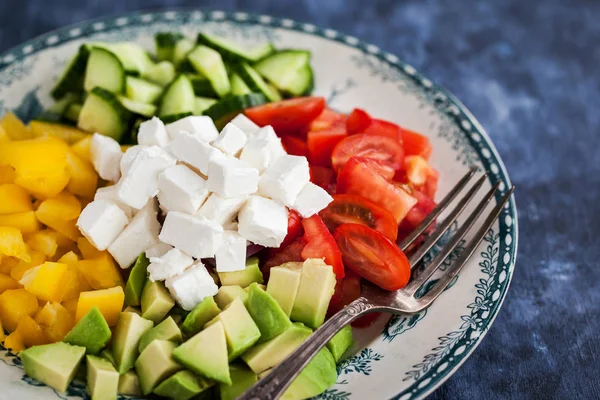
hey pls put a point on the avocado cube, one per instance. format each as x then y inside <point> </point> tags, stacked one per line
<point>137,280</point>
<point>206,354</point>
<point>314,293</point>
<point>53,364</point>
<point>315,378</point>
<point>107,355</point>
<point>129,384</point>
<point>242,379</point>
<point>166,330</point>
<point>199,316</point>
<point>284,281</point>
<point>134,310</point>
<point>130,329</point>
<point>156,364</point>
<point>183,386</point>
<point>340,343</point>
<point>227,294</point>
<point>102,379</point>
<point>244,277</point>
<point>156,301</point>
<point>266,313</point>
<point>91,332</point>
<point>240,329</point>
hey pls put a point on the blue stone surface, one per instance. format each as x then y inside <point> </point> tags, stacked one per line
<point>529,72</point>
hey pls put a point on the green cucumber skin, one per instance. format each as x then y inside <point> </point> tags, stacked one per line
<point>228,107</point>
<point>105,54</point>
<point>203,58</point>
<point>111,100</point>
<point>294,63</point>
<point>233,54</point>
<point>165,43</point>
<point>202,86</point>
<point>71,80</point>
<point>173,95</point>
<point>167,119</point>
<point>255,82</point>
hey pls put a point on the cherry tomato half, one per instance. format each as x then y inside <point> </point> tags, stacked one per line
<point>378,148</point>
<point>416,144</point>
<point>358,121</point>
<point>294,228</point>
<point>321,244</point>
<point>326,120</point>
<point>294,145</point>
<point>287,116</point>
<point>321,143</point>
<point>384,128</point>
<point>276,257</point>
<point>324,177</point>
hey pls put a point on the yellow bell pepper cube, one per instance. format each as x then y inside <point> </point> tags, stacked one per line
<point>87,250</point>
<point>45,213</point>
<point>7,283</point>
<point>12,244</point>
<point>7,174</point>
<point>71,305</point>
<point>1,332</point>
<point>14,304</point>
<point>37,258</point>
<point>7,265</point>
<point>72,288</point>
<point>84,179</point>
<point>13,126</point>
<point>44,241</point>
<point>70,259</point>
<point>64,206</point>
<point>3,135</point>
<point>82,148</point>
<point>14,199</point>
<point>31,332</point>
<point>46,281</point>
<point>14,342</point>
<point>101,272</point>
<point>26,221</point>
<point>109,302</point>
<point>64,132</point>
<point>55,320</point>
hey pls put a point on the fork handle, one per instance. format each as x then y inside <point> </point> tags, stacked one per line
<point>279,379</point>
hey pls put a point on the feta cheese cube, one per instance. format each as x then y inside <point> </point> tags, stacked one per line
<point>137,237</point>
<point>311,200</point>
<point>106,155</point>
<point>284,179</point>
<point>173,263</point>
<point>198,237</point>
<point>220,209</point>
<point>153,133</point>
<point>159,249</point>
<point>266,132</point>
<point>232,178</point>
<point>231,140</point>
<point>263,221</point>
<point>245,124</point>
<point>111,193</point>
<point>231,255</point>
<point>231,226</point>
<point>100,222</point>
<point>128,158</point>
<point>192,286</point>
<point>200,126</point>
<point>260,153</point>
<point>181,189</point>
<point>141,181</point>
<point>192,150</point>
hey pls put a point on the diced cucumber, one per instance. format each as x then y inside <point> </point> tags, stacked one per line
<point>210,64</point>
<point>141,90</point>
<point>165,43</point>
<point>71,79</point>
<point>256,83</point>
<point>238,86</point>
<point>233,51</point>
<point>202,86</point>
<point>131,138</point>
<point>288,70</point>
<point>225,109</point>
<point>56,112</point>
<point>201,104</point>
<point>72,112</point>
<point>167,119</point>
<point>139,108</point>
<point>104,70</point>
<point>182,48</point>
<point>178,98</point>
<point>135,59</point>
<point>161,73</point>
<point>102,112</point>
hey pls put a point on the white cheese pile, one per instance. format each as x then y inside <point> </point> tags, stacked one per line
<point>219,191</point>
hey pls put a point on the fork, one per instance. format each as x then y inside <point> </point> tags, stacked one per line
<point>405,300</point>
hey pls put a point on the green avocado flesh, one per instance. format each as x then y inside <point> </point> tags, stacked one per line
<point>137,280</point>
<point>166,330</point>
<point>244,277</point>
<point>199,316</point>
<point>129,384</point>
<point>341,342</point>
<point>314,293</point>
<point>130,329</point>
<point>102,379</point>
<point>266,313</point>
<point>242,379</point>
<point>284,281</point>
<point>91,332</point>
<point>156,301</point>
<point>227,294</point>
<point>315,378</point>
<point>183,386</point>
<point>156,364</point>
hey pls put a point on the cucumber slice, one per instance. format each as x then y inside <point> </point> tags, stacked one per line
<point>135,59</point>
<point>210,64</point>
<point>238,86</point>
<point>131,137</point>
<point>104,70</point>
<point>178,98</point>
<point>165,43</point>
<point>233,51</point>
<point>288,70</point>
<point>102,112</point>
<point>227,108</point>
<point>141,90</point>
<point>202,104</point>
<point>72,112</point>
<point>182,48</point>
<point>202,86</point>
<point>136,107</point>
<point>71,79</point>
<point>167,119</point>
<point>256,83</point>
<point>161,73</point>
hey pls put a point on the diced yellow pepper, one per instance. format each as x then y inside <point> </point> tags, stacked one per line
<point>45,213</point>
<point>101,272</point>
<point>56,321</point>
<point>8,263</point>
<point>12,244</point>
<point>82,148</point>
<point>88,251</point>
<point>46,281</point>
<point>26,221</point>
<point>70,259</point>
<point>65,245</point>
<point>84,180</point>
<point>37,258</point>
<point>64,206</point>
<point>31,332</point>
<point>14,304</point>
<point>1,332</point>
<point>109,302</point>
<point>14,341</point>
<point>43,241</point>
<point>7,174</point>
<point>71,283</point>
<point>71,305</point>
<point>13,126</point>
<point>3,135</point>
<point>7,283</point>
<point>14,199</point>
<point>64,132</point>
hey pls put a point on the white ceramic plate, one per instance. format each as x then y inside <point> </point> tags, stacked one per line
<point>413,355</point>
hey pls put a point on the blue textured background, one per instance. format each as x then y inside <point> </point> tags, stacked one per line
<point>529,71</point>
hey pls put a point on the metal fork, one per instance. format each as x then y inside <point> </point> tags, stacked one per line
<point>403,301</point>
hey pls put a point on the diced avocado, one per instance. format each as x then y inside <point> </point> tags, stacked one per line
<point>199,316</point>
<point>178,314</point>
<point>315,378</point>
<point>156,301</point>
<point>129,384</point>
<point>134,310</point>
<point>102,379</point>
<point>314,293</point>
<point>340,343</point>
<point>260,285</point>
<point>91,332</point>
<point>107,355</point>
<point>130,329</point>
<point>240,329</point>
<point>242,378</point>
<point>53,364</point>
<point>183,386</point>
<point>266,313</point>
<point>156,364</point>
<point>284,281</point>
<point>166,330</point>
<point>206,354</point>
<point>227,294</point>
<point>269,354</point>
<point>137,281</point>
<point>244,277</point>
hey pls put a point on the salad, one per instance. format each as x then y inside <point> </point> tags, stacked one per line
<point>199,222</point>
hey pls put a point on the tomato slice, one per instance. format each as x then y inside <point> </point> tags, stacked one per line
<point>294,228</point>
<point>382,168</point>
<point>419,175</point>
<point>373,256</point>
<point>276,257</point>
<point>360,179</point>
<point>418,213</point>
<point>321,244</point>
<point>294,145</point>
<point>320,143</point>
<point>347,290</point>
<point>384,128</point>
<point>324,177</point>
<point>358,121</point>
<point>326,120</point>
<point>350,208</point>
<point>378,148</point>
<point>287,116</point>
<point>416,144</point>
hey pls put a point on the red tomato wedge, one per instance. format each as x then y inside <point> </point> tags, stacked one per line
<point>419,175</point>
<point>378,148</point>
<point>276,257</point>
<point>416,144</point>
<point>360,179</point>
<point>294,145</point>
<point>346,291</point>
<point>321,244</point>
<point>373,256</point>
<point>326,120</point>
<point>382,168</point>
<point>287,116</point>
<point>350,208</point>
<point>324,177</point>
<point>384,128</point>
<point>418,213</point>
<point>320,143</point>
<point>358,121</point>
<point>294,228</point>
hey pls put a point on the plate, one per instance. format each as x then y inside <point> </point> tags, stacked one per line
<point>405,357</point>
